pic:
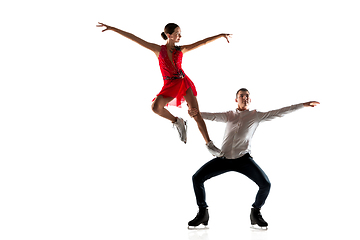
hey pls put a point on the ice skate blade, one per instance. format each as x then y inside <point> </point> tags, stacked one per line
<point>200,227</point>
<point>185,124</point>
<point>257,227</point>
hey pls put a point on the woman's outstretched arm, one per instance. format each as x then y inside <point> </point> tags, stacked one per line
<point>203,42</point>
<point>151,46</point>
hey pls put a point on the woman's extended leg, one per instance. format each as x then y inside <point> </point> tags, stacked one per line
<point>193,103</point>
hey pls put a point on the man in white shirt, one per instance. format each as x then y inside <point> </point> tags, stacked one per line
<point>240,128</point>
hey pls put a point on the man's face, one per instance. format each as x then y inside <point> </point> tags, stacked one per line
<point>243,100</point>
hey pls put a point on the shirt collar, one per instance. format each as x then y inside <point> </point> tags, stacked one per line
<point>238,111</point>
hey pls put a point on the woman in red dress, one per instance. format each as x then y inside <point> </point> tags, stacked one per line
<point>177,85</point>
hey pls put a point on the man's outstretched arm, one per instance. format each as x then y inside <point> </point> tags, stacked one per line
<point>218,117</point>
<point>268,116</point>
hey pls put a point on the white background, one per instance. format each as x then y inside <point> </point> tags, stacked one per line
<point>82,156</point>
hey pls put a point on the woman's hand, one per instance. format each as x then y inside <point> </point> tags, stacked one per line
<point>227,36</point>
<point>107,27</point>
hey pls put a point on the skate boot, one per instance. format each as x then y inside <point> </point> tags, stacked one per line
<point>257,221</point>
<point>180,125</point>
<point>214,150</point>
<point>202,217</point>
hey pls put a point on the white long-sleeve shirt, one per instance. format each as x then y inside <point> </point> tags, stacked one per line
<point>241,126</point>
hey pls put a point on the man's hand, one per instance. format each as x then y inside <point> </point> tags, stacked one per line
<point>311,104</point>
<point>193,112</point>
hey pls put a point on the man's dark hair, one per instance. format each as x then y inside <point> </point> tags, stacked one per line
<point>242,90</point>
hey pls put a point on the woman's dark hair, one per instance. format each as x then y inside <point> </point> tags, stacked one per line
<point>169,28</point>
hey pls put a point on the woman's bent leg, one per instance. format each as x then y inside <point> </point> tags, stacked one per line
<point>158,107</point>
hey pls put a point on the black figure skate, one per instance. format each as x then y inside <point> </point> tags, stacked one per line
<point>201,218</point>
<point>257,221</point>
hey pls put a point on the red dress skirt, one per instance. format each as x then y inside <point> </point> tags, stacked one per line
<point>176,82</point>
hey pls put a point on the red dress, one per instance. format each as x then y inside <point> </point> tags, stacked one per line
<point>176,82</point>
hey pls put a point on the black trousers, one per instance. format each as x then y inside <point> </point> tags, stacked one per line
<point>244,165</point>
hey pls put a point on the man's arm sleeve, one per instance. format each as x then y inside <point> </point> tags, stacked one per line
<point>217,117</point>
<point>267,116</point>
